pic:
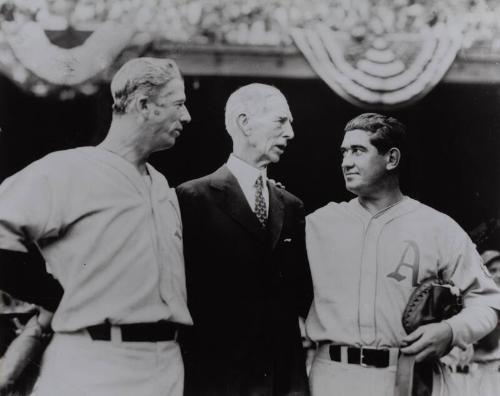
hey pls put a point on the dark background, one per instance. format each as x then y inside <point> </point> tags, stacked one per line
<point>454,134</point>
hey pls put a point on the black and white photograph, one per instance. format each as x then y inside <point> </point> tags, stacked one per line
<point>249,197</point>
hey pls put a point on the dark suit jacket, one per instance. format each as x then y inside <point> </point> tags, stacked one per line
<point>246,287</point>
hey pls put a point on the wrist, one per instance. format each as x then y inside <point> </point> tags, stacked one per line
<point>448,331</point>
<point>34,329</point>
<point>44,318</point>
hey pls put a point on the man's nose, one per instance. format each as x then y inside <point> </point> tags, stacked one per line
<point>186,117</point>
<point>347,161</point>
<point>288,133</point>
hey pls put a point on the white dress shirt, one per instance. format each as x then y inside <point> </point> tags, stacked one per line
<point>247,175</point>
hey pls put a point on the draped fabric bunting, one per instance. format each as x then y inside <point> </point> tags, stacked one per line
<point>62,66</point>
<point>385,71</point>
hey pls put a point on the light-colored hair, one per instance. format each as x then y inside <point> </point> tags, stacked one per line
<point>250,100</point>
<point>144,76</point>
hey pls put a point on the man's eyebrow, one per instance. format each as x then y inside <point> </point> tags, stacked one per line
<point>285,117</point>
<point>352,146</point>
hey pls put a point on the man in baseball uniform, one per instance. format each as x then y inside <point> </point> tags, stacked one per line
<point>108,226</point>
<point>367,256</point>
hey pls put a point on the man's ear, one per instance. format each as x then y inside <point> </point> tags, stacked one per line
<point>142,106</point>
<point>242,122</point>
<point>393,157</point>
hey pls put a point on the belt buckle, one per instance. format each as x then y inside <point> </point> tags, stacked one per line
<point>362,357</point>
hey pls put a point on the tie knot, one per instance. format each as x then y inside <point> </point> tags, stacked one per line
<point>259,183</point>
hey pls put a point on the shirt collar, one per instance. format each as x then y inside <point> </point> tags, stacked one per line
<point>244,172</point>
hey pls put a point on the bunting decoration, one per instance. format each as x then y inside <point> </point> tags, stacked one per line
<point>66,66</point>
<point>380,71</point>
<point>374,53</point>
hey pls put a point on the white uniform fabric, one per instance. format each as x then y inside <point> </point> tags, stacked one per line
<point>487,376</point>
<point>330,378</point>
<point>112,239</point>
<point>113,243</point>
<point>75,365</point>
<point>453,381</point>
<point>487,379</point>
<point>364,268</point>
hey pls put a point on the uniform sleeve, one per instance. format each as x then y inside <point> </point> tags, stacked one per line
<point>481,295</point>
<point>26,210</point>
<point>27,216</point>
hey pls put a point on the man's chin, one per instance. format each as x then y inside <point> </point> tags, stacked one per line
<point>352,188</point>
<point>165,146</point>
<point>274,158</point>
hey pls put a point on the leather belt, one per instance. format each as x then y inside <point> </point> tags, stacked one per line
<point>366,357</point>
<point>134,332</point>
<point>465,369</point>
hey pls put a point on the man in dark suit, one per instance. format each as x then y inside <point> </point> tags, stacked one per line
<point>247,274</point>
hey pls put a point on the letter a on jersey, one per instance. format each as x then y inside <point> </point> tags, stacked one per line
<point>410,250</point>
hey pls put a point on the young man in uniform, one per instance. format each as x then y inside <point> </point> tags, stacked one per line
<point>108,226</point>
<point>368,255</point>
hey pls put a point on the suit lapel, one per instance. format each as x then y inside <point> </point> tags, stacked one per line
<point>230,199</point>
<point>276,213</point>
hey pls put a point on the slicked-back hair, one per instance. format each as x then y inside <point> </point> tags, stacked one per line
<point>385,132</point>
<point>146,76</point>
<point>250,99</point>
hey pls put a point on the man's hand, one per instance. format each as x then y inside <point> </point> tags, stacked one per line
<point>44,318</point>
<point>428,341</point>
<point>277,183</point>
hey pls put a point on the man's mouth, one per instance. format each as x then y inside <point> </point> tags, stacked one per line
<point>280,147</point>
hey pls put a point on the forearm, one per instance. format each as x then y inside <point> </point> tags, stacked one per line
<point>471,324</point>
<point>27,280</point>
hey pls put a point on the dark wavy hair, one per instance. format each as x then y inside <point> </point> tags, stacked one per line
<point>385,132</point>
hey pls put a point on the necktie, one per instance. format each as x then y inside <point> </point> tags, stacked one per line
<point>260,203</point>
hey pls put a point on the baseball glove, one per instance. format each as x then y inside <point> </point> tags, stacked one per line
<point>432,301</point>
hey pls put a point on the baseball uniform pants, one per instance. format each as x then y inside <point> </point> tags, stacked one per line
<point>76,365</point>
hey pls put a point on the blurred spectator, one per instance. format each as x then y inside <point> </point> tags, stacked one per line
<point>266,22</point>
